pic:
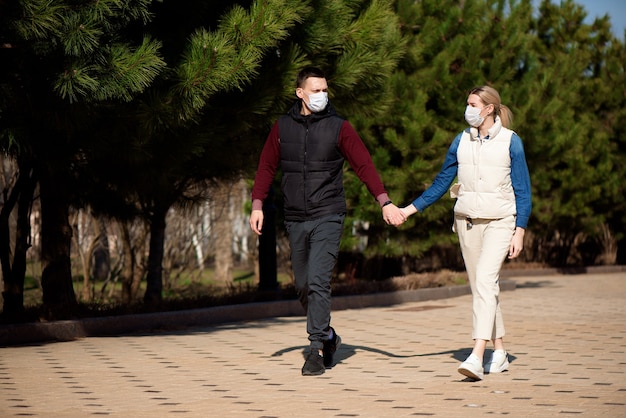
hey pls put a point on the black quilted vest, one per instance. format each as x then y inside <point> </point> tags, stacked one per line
<point>312,166</point>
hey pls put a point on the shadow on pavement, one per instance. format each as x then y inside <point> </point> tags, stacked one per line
<point>531,285</point>
<point>346,351</point>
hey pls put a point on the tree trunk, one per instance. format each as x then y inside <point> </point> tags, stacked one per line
<point>101,257</point>
<point>14,272</point>
<point>223,230</point>
<point>13,293</point>
<point>154,279</point>
<point>56,237</point>
<point>131,273</point>
<point>22,236</point>
<point>84,256</point>
<point>128,269</point>
<point>96,260</point>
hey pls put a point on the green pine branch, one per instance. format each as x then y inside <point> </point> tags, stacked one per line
<point>119,72</point>
<point>229,58</point>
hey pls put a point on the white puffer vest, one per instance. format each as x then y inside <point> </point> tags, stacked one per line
<point>485,190</point>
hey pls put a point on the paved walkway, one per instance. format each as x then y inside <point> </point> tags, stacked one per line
<point>566,339</point>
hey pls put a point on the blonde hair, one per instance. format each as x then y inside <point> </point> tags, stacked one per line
<point>488,95</point>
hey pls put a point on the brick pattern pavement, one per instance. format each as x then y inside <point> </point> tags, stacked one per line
<point>566,340</point>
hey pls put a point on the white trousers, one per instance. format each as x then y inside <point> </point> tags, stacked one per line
<point>485,244</point>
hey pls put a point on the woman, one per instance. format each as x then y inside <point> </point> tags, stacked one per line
<point>491,213</point>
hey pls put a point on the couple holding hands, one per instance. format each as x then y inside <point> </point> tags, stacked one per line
<point>310,145</point>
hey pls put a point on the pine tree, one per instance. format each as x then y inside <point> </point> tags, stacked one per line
<point>60,60</point>
<point>571,100</point>
<point>442,63</point>
<point>561,78</point>
<point>233,120</point>
<point>145,137</point>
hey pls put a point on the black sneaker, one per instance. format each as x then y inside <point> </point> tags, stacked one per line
<point>330,346</point>
<point>314,364</point>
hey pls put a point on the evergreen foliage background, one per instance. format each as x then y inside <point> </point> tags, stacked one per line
<point>563,80</point>
<point>131,108</point>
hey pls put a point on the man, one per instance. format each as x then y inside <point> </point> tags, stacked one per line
<point>311,143</point>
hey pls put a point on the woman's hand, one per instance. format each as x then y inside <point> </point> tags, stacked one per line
<point>408,211</point>
<point>517,242</point>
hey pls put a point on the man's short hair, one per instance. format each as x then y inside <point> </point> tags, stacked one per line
<point>307,73</point>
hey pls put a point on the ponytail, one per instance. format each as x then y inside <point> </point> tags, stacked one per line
<point>506,116</point>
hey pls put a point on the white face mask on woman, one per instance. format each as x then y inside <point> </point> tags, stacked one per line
<point>317,101</point>
<point>472,116</point>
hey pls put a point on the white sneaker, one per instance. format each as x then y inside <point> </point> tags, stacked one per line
<point>499,362</point>
<point>472,367</point>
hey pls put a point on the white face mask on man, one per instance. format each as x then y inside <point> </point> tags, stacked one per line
<point>472,116</point>
<point>317,101</point>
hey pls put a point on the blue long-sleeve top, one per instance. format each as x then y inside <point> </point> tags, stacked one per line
<point>520,179</point>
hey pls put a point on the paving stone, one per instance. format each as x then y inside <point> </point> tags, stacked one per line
<point>566,337</point>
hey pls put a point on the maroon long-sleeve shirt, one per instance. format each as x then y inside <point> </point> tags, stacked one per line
<point>350,145</point>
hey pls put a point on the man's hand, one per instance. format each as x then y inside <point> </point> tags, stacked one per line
<point>256,221</point>
<point>393,215</point>
<point>517,243</point>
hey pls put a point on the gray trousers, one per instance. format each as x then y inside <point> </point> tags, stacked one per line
<point>314,250</point>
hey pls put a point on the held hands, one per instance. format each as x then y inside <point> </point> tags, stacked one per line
<point>393,215</point>
<point>398,216</point>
